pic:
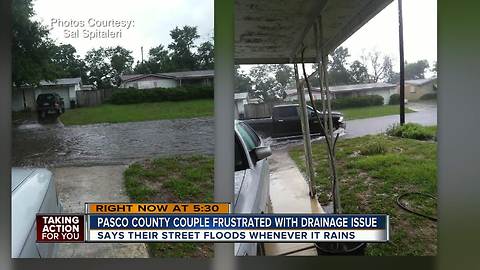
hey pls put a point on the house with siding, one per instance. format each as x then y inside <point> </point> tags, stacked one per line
<point>415,89</point>
<point>23,98</point>
<point>167,80</point>
<point>352,90</point>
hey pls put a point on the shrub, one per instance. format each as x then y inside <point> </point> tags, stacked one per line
<point>132,95</point>
<point>429,96</point>
<point>394,99</point>
<point>412,131</point>
<point>373,148</point>
<point>354,102</point>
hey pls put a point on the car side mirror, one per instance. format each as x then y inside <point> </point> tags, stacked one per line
<point>262,152</point>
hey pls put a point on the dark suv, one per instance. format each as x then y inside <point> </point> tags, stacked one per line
<point>50,103</point>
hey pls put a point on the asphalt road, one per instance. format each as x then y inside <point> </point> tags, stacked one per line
<point>426,114</point>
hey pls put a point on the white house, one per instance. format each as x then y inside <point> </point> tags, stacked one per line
<point>240,100</point>
<point>167,80</point>
<point>382,89</point>
<point>65,87</point>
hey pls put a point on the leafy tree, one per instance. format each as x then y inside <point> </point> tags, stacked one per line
<point>105,65</point>
<point>337,71</point>
<point>182,55</point>
<point>270,81</point>
<point>242,82</point>
<point>32,50</point>
<point>205,55</point>
<point>416,70</point>
<point>68,62</point>
<point>358,72</point>
<point>159,60</point>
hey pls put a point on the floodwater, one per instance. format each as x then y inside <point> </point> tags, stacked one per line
<point>52,144</point>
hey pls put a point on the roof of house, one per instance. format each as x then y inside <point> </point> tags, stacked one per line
<point>61,81</point>
<point>351,87</point>
<point>171,75</point>
<point>420,81</point>
<point>136,77</point>
<point>243,95</point>
<point>192,74</point>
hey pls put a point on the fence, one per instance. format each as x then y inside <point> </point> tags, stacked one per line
<point>259,110</point>
<point>89,98</point>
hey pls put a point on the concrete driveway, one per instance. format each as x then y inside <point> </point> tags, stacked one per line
<point>77,185</point>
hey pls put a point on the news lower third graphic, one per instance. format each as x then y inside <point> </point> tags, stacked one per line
<point>201,222</point>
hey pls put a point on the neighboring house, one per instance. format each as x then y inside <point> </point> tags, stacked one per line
<point>167,80</point>
<point>415,89</point>
<point>240,100</point>
<point>65,87</point>
<point>353,90</point>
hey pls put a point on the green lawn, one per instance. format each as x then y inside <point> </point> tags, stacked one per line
<point>108,113</point>
<point>373,171</point>
<point>371,111</point>
<point>173,179</point>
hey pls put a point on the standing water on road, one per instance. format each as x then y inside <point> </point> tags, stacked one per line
<point>52,144</point>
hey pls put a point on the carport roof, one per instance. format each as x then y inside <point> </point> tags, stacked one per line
<point>271,32</point>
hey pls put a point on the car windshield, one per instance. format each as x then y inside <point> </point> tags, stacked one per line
<point>45,98</point>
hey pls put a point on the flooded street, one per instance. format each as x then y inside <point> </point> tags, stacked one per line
<point>52,144</point>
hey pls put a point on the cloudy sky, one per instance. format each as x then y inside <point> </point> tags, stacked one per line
<point>381,33</point>
<point>153,20</point>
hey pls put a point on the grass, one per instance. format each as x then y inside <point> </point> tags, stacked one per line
<point>413,131</point>
<point>372,111</point>
<point>173,179</point>
<point>372,172</point>
<point>109,113</point>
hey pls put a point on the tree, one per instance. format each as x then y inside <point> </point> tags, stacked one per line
<point>205,55</point>
<point>159,60</point>
<point>416,70</point>
<point>270,81</point>
<point>68,63</point>
<point>121,61</point>
<point>337,71</point>
<point>358,72</point>
<point>105,65</point>
<point>32,50</point>
<point>182,55</point>
<point>242,82</point>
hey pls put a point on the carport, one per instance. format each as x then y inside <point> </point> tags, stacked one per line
<point>297,32</point>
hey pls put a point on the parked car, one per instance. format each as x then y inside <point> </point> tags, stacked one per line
<point>50,103</point>
<point>285,122</point>
<point>252,180</point>
<point>33,191</point>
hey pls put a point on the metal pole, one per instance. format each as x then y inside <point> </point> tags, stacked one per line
<point>306,133</point>
<point>402,64</point>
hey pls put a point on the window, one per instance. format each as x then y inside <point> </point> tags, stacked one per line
<point>241,162</point>
<point>287,112</point>
<point>248,136</point>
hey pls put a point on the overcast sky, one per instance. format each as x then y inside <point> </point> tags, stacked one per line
<point>381,33</point>
<point>153,20</point>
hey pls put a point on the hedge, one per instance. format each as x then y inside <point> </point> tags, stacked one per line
<point>133,95</point>
<point>429,96</point>
<point>353,102</point>
<point>394,99</point>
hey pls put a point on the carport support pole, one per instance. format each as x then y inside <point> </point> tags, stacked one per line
<point>402,64</point>
<point>306,133</point>
<point>329,128</point>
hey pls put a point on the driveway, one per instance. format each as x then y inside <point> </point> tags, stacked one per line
<point>77,185</point>
<point>52,144</point>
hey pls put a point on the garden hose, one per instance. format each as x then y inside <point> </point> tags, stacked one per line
<point>399,198</point>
